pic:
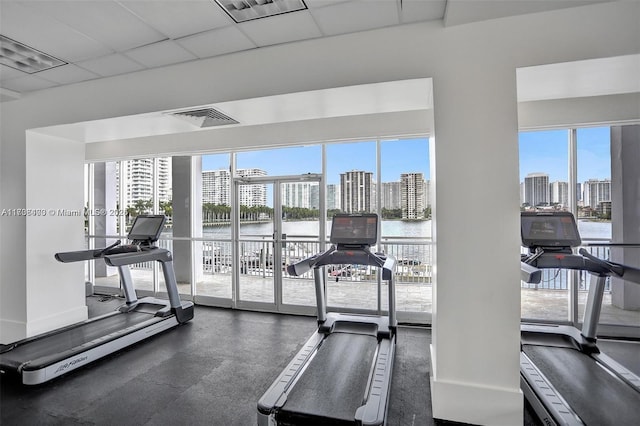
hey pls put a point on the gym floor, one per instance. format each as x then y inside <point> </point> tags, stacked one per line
<point>211,370</point>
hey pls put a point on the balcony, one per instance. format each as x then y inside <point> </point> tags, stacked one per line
<point>355,286</point>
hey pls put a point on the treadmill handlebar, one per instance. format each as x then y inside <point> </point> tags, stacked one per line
<point>625,272</point>
<point>345,255</point>
<point>144,255</point>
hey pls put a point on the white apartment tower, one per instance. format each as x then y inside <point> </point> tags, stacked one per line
<point>596,191</point>
<point>357,191</point>
<point>333,197</point>
<point>391,195</point>
<point>255,194</point>
<point>301,194</point>
<point>412,189</point>
<point>559,193</point>
<point>536,189</point>
<point>138,179</point>
<point>216,186</point>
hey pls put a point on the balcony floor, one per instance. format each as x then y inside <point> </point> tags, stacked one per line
<point>537,304</point>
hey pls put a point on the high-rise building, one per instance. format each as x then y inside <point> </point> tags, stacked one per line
<point>391,196</point>
<point>559,193</point>
<point>357,191</point>
<point>596,191</point>
<point>138,177</point>
<point>216,186</point>
<point>301,194</point>
<point>333,197</point>
<point>412,195</point>
<point>536,189</point>
<point>253,194</point>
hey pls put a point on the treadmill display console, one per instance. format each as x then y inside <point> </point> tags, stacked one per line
<point>354,229</point>
<point>553,229</point>
<point>147,228</point>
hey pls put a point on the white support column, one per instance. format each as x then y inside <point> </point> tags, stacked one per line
<point>476,294</point>
<point>55,292</point>
<point>625,205</point>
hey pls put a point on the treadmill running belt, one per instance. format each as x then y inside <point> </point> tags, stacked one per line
<point>592,392</point>
<point>69,339</point>
<point>333,385</point>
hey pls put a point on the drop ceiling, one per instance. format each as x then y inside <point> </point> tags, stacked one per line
<point>102,38</point>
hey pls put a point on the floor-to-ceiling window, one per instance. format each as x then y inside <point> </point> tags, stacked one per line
<point>281,201</point>
<point>546,177</point>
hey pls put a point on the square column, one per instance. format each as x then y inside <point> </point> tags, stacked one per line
<point>625,205</point>
<point>476,230</point>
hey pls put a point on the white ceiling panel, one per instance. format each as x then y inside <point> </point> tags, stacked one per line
<point>111,65</point>
<point>357,15</point>
<point>159,54</point>
<point>314,4</point>
<point>180,18</point>
<point>50,36</point>
<point>7,73</point>
<point>96,20</point>
<point>67,74</point>
<point>27,83</point>
<point>281,28</point>
<point>216,42</point>
<point>422,10</point>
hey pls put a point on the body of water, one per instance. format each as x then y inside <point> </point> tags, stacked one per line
<point>390,229</point>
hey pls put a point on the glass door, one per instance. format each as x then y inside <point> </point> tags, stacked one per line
<point>270,231</point>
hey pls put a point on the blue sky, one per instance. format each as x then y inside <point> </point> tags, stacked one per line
<point>547,152</point>
<point>540,151</point>
<point>407,155</point>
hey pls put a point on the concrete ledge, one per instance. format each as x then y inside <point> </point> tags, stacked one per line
<point>475,404</point>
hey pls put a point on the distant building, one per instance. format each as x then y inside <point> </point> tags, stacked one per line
<point>357,191</point>
<point>138,176</point>
<point>412,195</point>
<point>595,192</point>
<point>391,195</point>
<point>536,189</point>
<point>254,194</point>
<point>216,186</point>
<point>559,193</point>
<point>300,194</point>
<point>333,197</point>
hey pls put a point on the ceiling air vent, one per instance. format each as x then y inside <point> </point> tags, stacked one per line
<point>205,117</point>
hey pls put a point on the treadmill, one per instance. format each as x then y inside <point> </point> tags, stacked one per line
<point>342,374</point>
<point>564,376</point>
<point>43,357</point>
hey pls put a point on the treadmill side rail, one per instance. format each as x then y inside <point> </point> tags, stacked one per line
<point>41,375</point>
<point>374,411</point>
<point>547,398</point>
<point>276,396</point>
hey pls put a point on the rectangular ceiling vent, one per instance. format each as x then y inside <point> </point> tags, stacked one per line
<point>206,117</point>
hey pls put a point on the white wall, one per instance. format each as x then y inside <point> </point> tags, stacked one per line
<point>476,341</point>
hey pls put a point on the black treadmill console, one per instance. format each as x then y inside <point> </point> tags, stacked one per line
<point>549,230</point>
<point>354,229</point>
<point>146,229</point>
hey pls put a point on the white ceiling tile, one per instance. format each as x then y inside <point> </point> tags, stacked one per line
<point>96,19</point>
<point>314,4</point>
<point>111,65</point>
<point>67,74</point>
<point>216,42</point>
<point>7,73</point>
<point>27,83</point>
<point>281,28</point>
<point>37,30</point>
<point>180,18</point>
<point>159,54</point>
<point>422,10</point>
<point>357,15</point>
